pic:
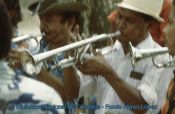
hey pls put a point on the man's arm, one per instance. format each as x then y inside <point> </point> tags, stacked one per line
<point>68,89</point>
<point>52,81</point>
<point>129,95</point>
<point>71,84</point>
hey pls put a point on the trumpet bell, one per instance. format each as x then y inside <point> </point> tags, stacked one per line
<point>31,42</point>
<point>170,63</point>
<point>135,54</point>
<point>29,64</point>
<point>138,54</point>
<point>33,64</point>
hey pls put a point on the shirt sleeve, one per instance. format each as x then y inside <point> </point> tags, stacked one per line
<point>152,82</point>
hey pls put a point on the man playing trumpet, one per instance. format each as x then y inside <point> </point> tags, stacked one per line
<point>60,22</point>
<point>137,90</point>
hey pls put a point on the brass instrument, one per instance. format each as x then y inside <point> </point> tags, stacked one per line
<point>32,64</point>
<point>28,37</point>
<point>138,54</point>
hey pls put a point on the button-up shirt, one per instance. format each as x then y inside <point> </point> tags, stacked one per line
<point>152,84</point>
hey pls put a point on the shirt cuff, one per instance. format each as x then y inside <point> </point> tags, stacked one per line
<point>148,93</point>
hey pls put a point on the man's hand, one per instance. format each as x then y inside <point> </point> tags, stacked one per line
<point>73,37</point>
<point>96,65</point>
<point>15,58</point>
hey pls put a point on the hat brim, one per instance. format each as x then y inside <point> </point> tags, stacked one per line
<point>59,7</point>
<point>127,6</point>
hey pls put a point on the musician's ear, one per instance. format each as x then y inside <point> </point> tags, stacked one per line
<point>72,22</point>
<point>153,24</point>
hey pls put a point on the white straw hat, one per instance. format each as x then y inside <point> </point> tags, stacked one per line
<point>148,7</point>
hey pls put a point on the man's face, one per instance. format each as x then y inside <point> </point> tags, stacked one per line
<point>169,32</point>
<point>56,30</point>
<point>132,25</point>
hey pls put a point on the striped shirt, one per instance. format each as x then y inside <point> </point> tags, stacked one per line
<point>22,95</point>
<point>152,84</point>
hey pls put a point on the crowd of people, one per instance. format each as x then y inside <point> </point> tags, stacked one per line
<point>114,84</point>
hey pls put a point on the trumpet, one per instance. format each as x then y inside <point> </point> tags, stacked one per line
<point>72,60</point>
<point>138,54</point>
<point>26,37</point>
<point>32,64</point>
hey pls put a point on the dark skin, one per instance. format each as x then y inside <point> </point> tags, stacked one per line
<point>58,33</point>
<point>129,23</point>
<point>62,87</point>
<point>15,55</point>
<point>51,80</point>
<point>169,32</point>
<point>98,66</point>
<point>57,37</point>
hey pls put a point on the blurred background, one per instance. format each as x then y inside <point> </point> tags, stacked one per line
<point>30,24</point>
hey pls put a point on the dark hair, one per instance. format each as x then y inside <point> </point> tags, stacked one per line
<point>67,15</point>
<point>77,16</point>
<point>5,31</point>
<point>148,18</point>
<point>14,5</point>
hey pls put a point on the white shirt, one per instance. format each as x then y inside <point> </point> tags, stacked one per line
<point>152,86</point>
<point>15,90</point>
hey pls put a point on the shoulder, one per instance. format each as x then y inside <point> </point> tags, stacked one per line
<point>24,93</point>
<point>40,90</point>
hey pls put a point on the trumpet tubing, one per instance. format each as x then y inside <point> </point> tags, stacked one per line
<point>138,54</point>
<point>71,60</point>
<point>28,58</point>
<point>26,37</point>
<point>170,63</point>
<point>45,55</point>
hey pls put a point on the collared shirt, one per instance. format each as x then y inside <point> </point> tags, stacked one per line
<point>22,95</point>
<point>151,81</point>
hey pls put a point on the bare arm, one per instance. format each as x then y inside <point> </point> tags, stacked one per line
<point>71,84</point>
<point>52,81</point>
<point>68,89</point>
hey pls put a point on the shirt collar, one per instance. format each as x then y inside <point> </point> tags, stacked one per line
<point>146,43</point>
